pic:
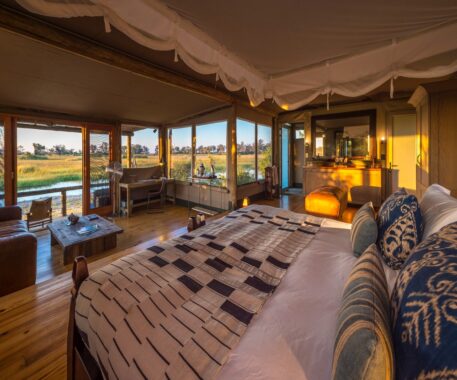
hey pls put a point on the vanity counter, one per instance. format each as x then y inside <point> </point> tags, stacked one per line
<point>362,184</point>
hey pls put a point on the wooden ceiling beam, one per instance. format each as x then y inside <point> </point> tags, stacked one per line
<point>32,27</point>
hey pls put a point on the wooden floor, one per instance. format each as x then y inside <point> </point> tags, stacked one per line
<point>137,229</point>
<point>33,321</point>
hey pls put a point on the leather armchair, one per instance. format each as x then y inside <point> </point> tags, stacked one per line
<point>18,251</point>
<point>10,213</point>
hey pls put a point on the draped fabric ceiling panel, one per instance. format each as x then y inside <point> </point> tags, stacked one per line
<point>291,50</point>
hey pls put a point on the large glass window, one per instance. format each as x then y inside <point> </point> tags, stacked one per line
<point>264,150</point>
<point>2,164</point>
<point>145,148</point>
<point>245,135</point>
<point>49,164</point>
<point>180,153</point>
<point>253,156</point>
<point>211,148</point>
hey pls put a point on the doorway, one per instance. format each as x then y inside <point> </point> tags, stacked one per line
<point>404,152</point>
<point>97,156</point>
<point>285,152</point>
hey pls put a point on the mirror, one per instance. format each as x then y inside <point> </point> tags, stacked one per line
<point>344,136</point>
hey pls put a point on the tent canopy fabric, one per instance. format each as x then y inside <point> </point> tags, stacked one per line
<point>291,51</point>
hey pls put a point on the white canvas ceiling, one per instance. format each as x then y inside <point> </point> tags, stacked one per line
<point>291,51</point>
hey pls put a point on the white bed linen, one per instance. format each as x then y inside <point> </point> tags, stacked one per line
<point>293,336</point>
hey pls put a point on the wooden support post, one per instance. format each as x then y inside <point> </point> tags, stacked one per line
<point>9,160</point>
<point>163,149</point>
<point>64,202</point>
<point>231,158</point>
<point>129,151</point>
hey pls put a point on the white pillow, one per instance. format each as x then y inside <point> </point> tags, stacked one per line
<point>438,209</point>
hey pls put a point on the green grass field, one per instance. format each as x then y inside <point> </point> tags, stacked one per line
<point>52,169</point>
<point>49,171</point>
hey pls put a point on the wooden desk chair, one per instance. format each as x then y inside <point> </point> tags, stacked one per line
<point>40,213</point>
<point>155,196</point>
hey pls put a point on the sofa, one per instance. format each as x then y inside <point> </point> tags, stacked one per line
<point>18,251</point>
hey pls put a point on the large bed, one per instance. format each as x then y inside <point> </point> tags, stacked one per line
<point>303,262</point>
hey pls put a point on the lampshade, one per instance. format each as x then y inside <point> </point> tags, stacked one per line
<point>245,202</point>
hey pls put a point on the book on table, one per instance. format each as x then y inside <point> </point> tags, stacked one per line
<point>88,229</point>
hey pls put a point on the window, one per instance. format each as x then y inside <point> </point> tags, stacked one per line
<point>211,148</point>
<point>49,158</point>
<point>264,149</point>
<point>299,133</point>
<point>145,148</point>
<point>180,140</point>
<point>253,156</point>
<point>246,153</point>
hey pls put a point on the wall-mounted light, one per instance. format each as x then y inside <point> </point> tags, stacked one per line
<point>245,202</point>
<point>383,148</point>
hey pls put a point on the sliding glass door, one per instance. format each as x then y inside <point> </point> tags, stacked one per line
<point>97,184</point>
<point>49,165</point>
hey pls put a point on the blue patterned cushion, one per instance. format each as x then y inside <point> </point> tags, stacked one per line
<point>363,346</point>
<point>364,229</point>
<point>399,227</point>
<point>424,306</point>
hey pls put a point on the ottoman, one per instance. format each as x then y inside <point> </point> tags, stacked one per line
<point>328,201</point>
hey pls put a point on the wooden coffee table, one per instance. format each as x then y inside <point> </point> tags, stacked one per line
<point>74,244</point>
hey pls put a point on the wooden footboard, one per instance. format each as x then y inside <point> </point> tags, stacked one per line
<point>80,364</point>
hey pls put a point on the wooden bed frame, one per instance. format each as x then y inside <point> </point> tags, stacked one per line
<point>80,363</point>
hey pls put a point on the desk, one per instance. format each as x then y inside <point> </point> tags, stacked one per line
<point>144,184</point>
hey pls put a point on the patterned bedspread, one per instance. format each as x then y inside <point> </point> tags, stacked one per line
<point>178,308</point>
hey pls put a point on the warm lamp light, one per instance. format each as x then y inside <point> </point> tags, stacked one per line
<point>251,103</point>
<point>285,107</point>
<point>245,202</point>
<point>383,138</point>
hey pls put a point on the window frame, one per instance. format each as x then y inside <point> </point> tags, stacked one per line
<point>194,138</point>
<point>256,149</point>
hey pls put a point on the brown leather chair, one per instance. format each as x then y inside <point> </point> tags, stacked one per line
<point>18,251</point>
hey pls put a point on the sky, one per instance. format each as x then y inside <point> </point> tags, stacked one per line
<point>144,137</point>
<point>215,133</point>
<point>26,137</point>
<point>207,134</point>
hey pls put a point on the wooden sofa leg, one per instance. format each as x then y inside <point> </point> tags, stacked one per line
<point>79,274</point>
